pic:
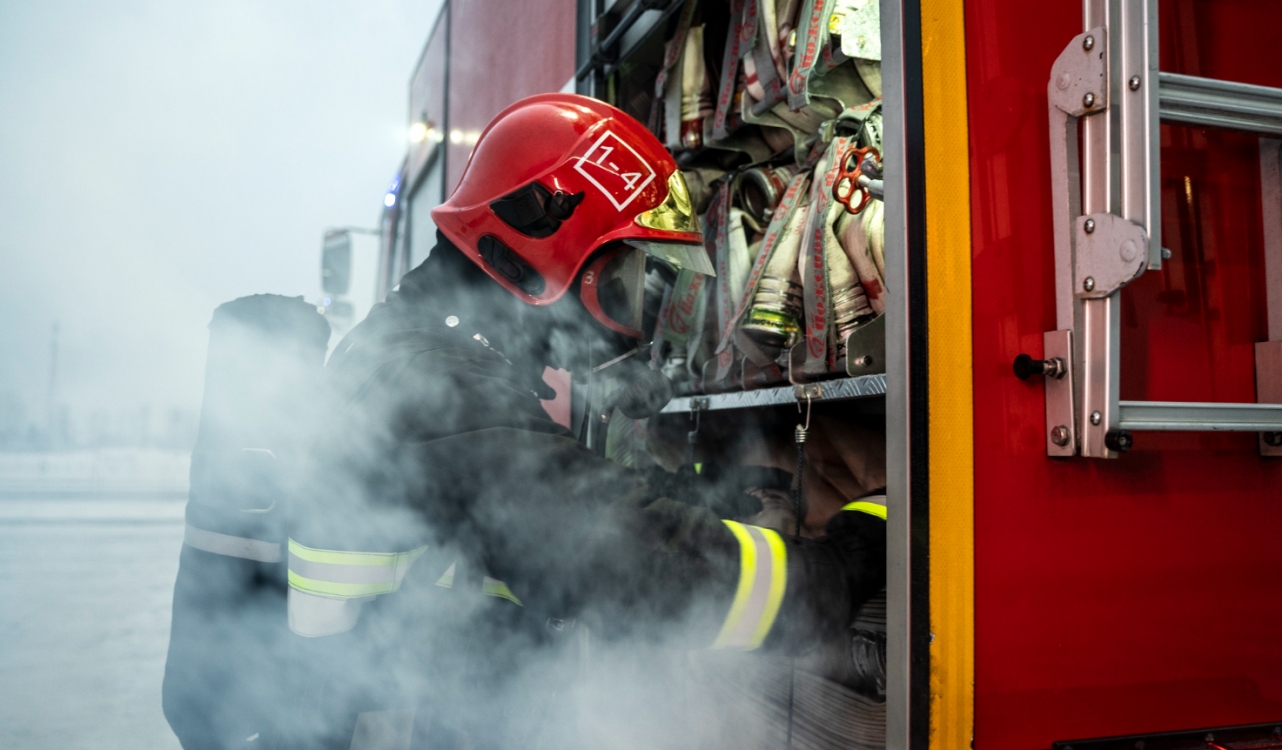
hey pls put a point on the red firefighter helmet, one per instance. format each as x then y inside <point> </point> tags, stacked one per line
<point>553,179</point>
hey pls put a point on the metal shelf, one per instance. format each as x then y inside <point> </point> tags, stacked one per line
<point>864,386</point>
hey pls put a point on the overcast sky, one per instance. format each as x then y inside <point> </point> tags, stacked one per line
<point>159,158</point>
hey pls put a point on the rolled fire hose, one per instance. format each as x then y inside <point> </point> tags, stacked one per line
<point>850,305</point>
<point>853,236</point>
<point>774,320</point>
<point>696,91</point>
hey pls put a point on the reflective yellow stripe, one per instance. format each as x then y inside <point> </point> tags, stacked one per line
<point>763,579</point>
<point>341,590</point>
<point>347,574</point>
<point>747,573</point>
<point>341,557</point>
<point>495,587</point>
<point>872,509</point>
<point>446,581</point>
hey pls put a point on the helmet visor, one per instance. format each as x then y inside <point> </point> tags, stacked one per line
<point>679,255</point>
<point>624,288</point>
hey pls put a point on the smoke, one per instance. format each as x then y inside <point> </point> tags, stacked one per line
<point>159,159</point>
<point>427,439</point>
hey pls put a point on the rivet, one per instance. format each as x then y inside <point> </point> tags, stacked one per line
<point>451,321</point>
<point>1059,435</point>
<point>1089,284</point>
<point>1096,417</point>
<point>1088,101</point>
<point>1088,43</point>
<point>1089,226</point>
<point>1134,83</point>
<point>864,361</point>
<point>1166,253</point>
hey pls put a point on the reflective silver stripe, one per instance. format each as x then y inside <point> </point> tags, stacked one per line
<point>383,730</point>
<point>231,546</point>
<point>313,616</point>
<point>763,578</point>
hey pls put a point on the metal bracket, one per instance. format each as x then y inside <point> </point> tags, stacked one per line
<point>1268,390</point>
<point>1079,77</point>
<point>1061,430</point>
<point>812,391</point>
<point>1111,253</point>
<point>866,348</point>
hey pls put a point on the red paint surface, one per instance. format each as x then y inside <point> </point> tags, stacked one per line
<point>1142,594</point>
<point>502,51</point>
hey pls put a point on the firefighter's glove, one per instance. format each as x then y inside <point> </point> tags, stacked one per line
<point>829,579</point>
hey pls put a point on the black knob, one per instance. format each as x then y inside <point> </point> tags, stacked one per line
<point>1119,441</point>
<point>1026,367</point>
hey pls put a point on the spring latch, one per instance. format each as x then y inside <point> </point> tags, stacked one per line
<point>799,436</point>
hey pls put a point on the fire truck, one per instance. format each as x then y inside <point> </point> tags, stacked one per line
<point>1076,363</point>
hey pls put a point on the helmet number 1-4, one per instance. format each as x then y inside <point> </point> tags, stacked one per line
<point>615,168</point>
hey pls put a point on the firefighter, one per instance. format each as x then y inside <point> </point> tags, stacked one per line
<point>452,529</point>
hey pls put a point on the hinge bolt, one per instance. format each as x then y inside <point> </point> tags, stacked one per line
<point>1166,253</point>
<point>1059,435</point>
<point>1089,226</point>
<point>1096,418</point>
<point>1089,284</point>
<point>1134,83</point>
<point>1088,43</point>
<point>1088,101</point>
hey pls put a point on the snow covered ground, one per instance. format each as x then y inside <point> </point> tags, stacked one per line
<point>89,546</point>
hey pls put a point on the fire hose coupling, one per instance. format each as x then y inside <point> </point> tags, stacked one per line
<point>1026,367</point>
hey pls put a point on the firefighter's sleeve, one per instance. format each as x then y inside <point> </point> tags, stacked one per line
<point>570,532</point>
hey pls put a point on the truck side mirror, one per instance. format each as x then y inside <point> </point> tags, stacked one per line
<point>336,261</point>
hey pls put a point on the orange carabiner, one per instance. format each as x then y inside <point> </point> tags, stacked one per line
<point>846,187</point>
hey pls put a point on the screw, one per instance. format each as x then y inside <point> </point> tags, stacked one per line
<point>1166,253</point>
<point>1096,417</point>
<point>1088,101</point>
<point>1273,438</point>
<point>1089,284</point>
<point>1059,435</point>
<point>1134,83</point>
<point>1088,43</point>
<point>1089,226</point>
